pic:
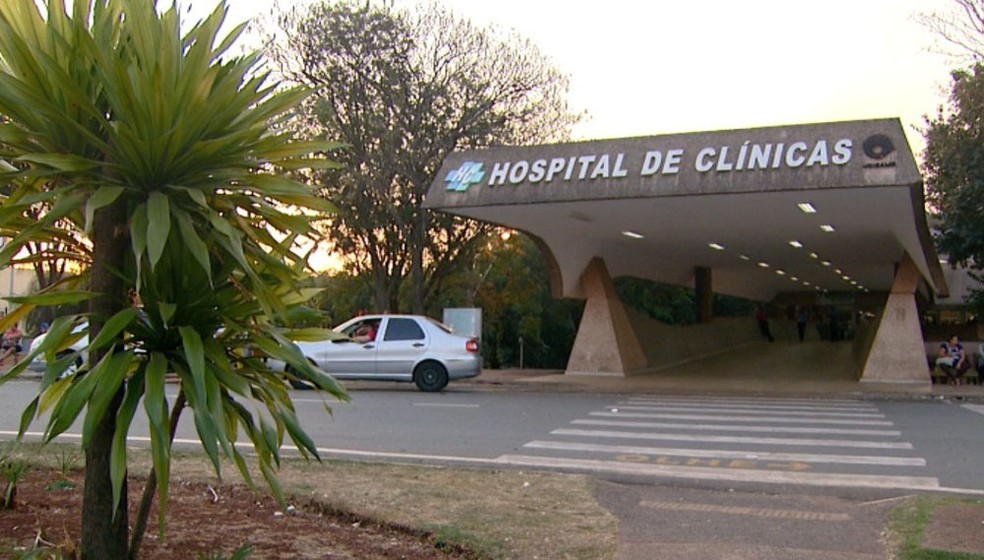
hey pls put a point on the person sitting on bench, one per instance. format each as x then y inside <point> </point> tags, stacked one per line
<point>952,359</point>
<point>11,344</point>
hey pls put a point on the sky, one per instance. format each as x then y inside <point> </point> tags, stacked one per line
<point>647,67</point>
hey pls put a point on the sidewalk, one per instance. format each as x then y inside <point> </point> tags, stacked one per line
<point>806,370</point>
<point>703,383</point>
<point>680,521</point>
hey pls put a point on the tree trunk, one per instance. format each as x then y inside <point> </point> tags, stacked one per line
<point>143,513</point>
<point>379,284</point>
<point>419,236</point>
<point>104,527</point>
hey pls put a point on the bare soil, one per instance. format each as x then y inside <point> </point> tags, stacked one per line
<point>206,521</point>
<point>956,528</point>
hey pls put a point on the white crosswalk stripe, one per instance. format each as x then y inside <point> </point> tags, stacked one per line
<point>782,420</point>
<point>782,441</point>
<point>732,428</point>
<point>737,439</point>
<point>724,454</point>
<point>763,412</point>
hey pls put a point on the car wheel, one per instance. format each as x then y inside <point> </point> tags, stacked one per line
<point>430,377</point>
<point>296,378</point>
<point>72,369</point>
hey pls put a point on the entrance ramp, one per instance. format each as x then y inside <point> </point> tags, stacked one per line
<point>732,355</point>
<point>767,367</point>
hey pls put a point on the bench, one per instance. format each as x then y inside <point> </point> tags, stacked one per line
<point>971,373</point>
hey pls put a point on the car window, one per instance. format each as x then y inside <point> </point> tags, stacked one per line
<point>403,329</point>
<point>441,326</point>
<point>350,330</point>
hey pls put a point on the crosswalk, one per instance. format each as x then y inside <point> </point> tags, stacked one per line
<point>782,441</point>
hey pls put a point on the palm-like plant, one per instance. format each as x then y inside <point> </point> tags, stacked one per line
<point>164,151</point>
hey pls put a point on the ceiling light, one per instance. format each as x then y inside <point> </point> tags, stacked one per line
<point>716,246</point>
<point>825,263</point>
<point>807,208</point>
<point>764,264</point>
<point>854,282</point>
<point>781,272</point>
<point>794,278</point>
<point>814,255</point>
<point>633,234</point>
<point>795,244</point>
<point>744,257</point>
<point>805,283</point>
<point>827,228</point>
<point>838,271</point>
<point>846,278</point>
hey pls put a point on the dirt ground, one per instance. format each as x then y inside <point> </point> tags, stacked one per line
<point>209,522</point>
<point>956,528</point>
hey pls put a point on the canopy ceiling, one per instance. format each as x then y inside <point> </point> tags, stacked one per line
<point>827,207</point>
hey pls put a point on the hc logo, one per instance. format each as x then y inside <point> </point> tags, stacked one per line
<point>470,173</point>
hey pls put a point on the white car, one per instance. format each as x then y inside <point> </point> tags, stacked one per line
<point>410,348</point>
<point>80,346</point>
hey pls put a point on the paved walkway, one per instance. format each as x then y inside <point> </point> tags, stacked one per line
<point>677,521</point>
<point>812,369</point>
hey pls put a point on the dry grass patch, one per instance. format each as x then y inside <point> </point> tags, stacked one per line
<point>499,513</point>
<point>505,514</point>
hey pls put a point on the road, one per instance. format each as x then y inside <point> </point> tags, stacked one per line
<point>925,445</point>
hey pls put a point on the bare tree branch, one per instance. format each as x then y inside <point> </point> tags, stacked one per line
<point>960,30</point>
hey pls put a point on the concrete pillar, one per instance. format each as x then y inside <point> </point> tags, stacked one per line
<point>606,343</point>
<point>704,300</point>
<point>897,353</point>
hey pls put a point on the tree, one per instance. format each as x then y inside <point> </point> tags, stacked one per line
<point>51,252</point>
<point>167,153</point>
<point>961,29</point>
<point>954,172</point>
<point>401,91</point>
<point>520,314</point>
<point>344,295</point>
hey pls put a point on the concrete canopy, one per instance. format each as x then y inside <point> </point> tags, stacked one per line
<point>658,207</point>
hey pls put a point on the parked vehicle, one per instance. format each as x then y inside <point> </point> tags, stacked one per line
<point>395,348</point>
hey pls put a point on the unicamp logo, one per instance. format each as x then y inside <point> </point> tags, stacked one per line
<point>879,151</point>
<point>470,173</point>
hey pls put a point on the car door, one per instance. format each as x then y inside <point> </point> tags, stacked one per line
<point>402,343</point>
<point>347,358</point>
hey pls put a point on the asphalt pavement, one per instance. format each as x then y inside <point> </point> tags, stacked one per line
<point>701,521</point>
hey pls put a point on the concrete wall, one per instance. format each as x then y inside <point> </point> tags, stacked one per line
<point>864,338</point>
<point>668,345</point>
<point>15,281</point>
<point>896,354</point>
<point>606,342</point>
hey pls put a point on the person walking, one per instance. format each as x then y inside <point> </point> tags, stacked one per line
<point>801,323</point>
<point>763,322</point>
